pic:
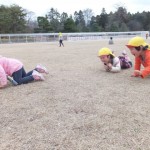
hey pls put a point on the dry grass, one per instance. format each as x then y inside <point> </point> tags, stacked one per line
<point>79,106</point>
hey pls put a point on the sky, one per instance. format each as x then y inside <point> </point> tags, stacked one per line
<point>42,7</point>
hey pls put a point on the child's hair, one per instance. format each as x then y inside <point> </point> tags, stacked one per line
<point>139,47</point>
<point>111,58</point>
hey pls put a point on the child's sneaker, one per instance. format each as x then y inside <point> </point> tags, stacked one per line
<point>37,76</point>
<point>12,80</point>
<point>124,52</point>
<point>41,69</point>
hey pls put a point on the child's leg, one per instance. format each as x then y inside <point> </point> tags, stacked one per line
<point>21,77</point>
<point>62,43</point>
<point>59,43</point>
<point>130,63</point>
<point>41,69</point>
<point>29,73</point>
<point>35,73</point>
<point>12,80</point>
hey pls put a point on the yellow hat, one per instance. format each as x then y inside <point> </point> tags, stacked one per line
<point>105,51</point>
<point>136,41</point>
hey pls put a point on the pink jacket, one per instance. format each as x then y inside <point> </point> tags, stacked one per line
<point>7,67</point>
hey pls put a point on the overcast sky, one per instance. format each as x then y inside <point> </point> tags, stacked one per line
<point>41,7</point>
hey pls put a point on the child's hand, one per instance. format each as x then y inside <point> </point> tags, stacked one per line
<point>108,67</point>
<point>133,75</point>
<point>136,73</point>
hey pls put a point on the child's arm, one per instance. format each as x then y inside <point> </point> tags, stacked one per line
<point>146,71</point>
<point>116,67</point>
<point>107,67</point>
<point>3,78</point>
<point>137,65</point>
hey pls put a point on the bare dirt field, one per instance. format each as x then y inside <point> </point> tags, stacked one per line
<point>79,106</point>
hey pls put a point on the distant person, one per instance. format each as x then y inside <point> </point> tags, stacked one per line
<point>60,39</point>
<point>147,35</point>
<point>111,41</point>
<point>13,70</point>
<point>141,50</point>
<point>111,62</point>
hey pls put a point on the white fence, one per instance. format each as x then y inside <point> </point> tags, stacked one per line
<point>50,37</point>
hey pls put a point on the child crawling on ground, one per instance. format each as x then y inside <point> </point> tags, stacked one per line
<point>13,70</point>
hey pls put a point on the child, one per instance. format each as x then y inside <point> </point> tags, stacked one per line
<point>147,35</point>
<point>141,50</point>
<point>111,41</point>
<point>13,70</point>
<point>60,39</point>
<point>112,63</point>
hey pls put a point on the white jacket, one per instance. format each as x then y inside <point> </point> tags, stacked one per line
<point>116,67</point>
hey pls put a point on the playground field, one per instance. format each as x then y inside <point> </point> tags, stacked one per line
<point>79,106</point>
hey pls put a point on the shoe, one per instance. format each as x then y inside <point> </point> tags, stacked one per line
<point>37,76</point>
<point>12,80</point>
<point>124,52</point>
<point>41,69</point>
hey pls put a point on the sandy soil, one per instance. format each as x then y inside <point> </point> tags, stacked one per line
<point>79,106</point>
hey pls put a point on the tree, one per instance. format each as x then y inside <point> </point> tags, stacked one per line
<point>54,19</point>
<point>87,16</point>
<point>121,18</point>
<point>63,19</point>
<point>134,25</point>
<point>103,19</point>
<point>94,27</point>
<point>5,19</point>
<point>31,22</point>
<point>17,18</point>
<point>147,21</point>
<point>44,25</point>
<point>123,27</point>
<point>12,19</point>
<point>79,20</point>
<point>69,25</point>
<point>114,27</point>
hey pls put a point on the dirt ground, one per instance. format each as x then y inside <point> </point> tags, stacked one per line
<point>79,106</point>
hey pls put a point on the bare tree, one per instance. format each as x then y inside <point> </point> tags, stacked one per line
<point>31,21</point>
<point>87,15</point>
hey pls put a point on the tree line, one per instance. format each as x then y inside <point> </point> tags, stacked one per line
<point>15,19</point>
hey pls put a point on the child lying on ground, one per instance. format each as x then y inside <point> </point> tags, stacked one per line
<point>141,50</point>
<point>113,63</point>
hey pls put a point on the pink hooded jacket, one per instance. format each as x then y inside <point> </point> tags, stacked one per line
<point>7,67</point>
